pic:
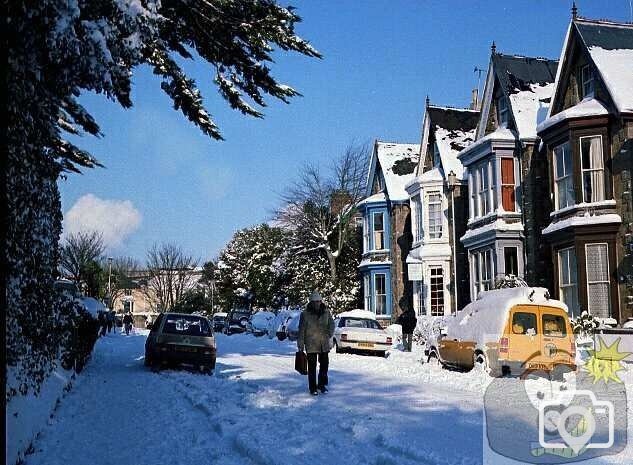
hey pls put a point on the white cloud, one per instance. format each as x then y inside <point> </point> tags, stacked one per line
<point>114,219</point>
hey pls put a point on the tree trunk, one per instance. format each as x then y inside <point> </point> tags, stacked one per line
<point>332,260</point>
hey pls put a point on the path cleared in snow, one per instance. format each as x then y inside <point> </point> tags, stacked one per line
<point>256,410</point>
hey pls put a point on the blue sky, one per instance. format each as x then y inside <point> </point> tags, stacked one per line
<point>381,59</point>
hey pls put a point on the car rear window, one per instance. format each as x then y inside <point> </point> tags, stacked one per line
<point>358,323</point>
<point>524,323</point>
<point>186,325</point>
<point>554,325</point>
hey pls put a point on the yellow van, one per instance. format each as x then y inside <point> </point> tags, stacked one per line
<point>509,332</point>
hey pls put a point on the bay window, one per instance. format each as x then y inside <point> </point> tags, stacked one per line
<point>592,163</point>
<point>598,284</point>
<point>380,293</point>
<point>483,200</point>
<point>437,291</point>
<point>418,230</point>
<point>563,179</point>
<point>507,184</point>
<point>482,271</point>
<point>568,280</point>
<point>367,292</point>
<point>366,244</point>
<point>435,215</point>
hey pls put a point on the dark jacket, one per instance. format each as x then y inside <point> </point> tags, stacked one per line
<point>408,321</point>
<point>316,328</point>
<point>127,319</point>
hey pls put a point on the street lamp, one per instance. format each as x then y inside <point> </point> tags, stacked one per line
<point>110,283</point>
<point>452,182</point>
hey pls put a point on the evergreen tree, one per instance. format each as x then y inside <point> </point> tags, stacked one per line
<point>59,49</point>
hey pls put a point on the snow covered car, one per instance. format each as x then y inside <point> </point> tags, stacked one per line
<point>218,321</point>
<point>292,327</point>
<point>358,330</point>
<point>261,322</point>
<point>236,321</point>
<point>285,319</point>
<point>179,338</point>
<point>512,331</point>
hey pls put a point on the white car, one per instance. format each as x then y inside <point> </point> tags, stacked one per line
<point>359,330</point>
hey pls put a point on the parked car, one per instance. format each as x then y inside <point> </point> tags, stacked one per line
<point>261,322</point>
<point>282,330</point>
<point>236,321</point>
<point>179,338</point>
<point>218,321</point>
<point>358,330</point>
<point>292,327</point>
<point>513,331</point>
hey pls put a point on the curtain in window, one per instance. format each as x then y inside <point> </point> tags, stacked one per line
<point>598,294</point>
<point>597,173</point>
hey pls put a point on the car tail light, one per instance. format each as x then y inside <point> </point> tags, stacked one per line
<point>505,345</point>
<point>389,340</point>
<point>343,337</point>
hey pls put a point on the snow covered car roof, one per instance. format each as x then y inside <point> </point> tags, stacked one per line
<point>357,314</point>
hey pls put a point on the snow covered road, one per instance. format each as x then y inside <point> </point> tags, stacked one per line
<point>256,410</point>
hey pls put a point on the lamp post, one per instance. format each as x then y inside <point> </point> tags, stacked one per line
<point>452,182</point>
<point>110,282</point>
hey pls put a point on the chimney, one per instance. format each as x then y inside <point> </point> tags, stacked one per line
<point>474,102</point>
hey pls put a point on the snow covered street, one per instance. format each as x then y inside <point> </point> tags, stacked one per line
<point>256,410</point>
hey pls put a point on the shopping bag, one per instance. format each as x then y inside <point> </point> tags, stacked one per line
<point>301,362</point>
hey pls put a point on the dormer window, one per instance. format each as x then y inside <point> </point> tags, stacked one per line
<point>503,111</point>
<point>586,75</point>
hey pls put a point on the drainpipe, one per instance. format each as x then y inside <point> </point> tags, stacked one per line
<point>451,181</point>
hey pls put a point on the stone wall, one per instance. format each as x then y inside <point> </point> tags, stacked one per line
<point>401,240</point>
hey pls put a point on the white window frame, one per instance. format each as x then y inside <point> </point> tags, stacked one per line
<point>441,290</point>
<point>606,281</point>
<point>376,295</point>
<point>472,183</point>
<point>558,180</point>
<point>418,223</point>
<point>367,289</point>
<point>591,169</point>
<point>434,223</point>
<point>482,259</point>
<point>483,200</point>
<point>374,231</point>
<point>366,234</point>
<point>571,284</point>
<point>587,80</point>
<point>503,111</point>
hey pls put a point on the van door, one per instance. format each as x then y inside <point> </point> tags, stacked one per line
<point>524,339</point>
<point>556,340</point>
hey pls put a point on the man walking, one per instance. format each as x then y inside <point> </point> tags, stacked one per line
<point>127,322</point>
<point>316,328</point>
<point>408,322</point>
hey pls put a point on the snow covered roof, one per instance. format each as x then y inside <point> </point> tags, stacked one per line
<point>434,175</point>
<point>582,220</point>
<point>379,197</point>
<point>500,134</point>
<point>610,46</point>
<point>453,130</point>
<point>530,107</point>
<point>398,162</point>
<point>483,320</point>
<point>586,107</point>
<point>497,225</point>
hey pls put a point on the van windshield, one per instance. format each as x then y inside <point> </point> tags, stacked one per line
<point>554,325</point>
<point>524,323</point>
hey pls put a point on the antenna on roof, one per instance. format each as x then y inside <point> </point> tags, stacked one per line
<point>493,47</point>
<point>574,11</point>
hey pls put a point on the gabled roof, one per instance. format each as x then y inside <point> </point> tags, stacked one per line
<point>453,130</point>
<point>398,162</point>
<point>610,46</point>
<point>527,82</point>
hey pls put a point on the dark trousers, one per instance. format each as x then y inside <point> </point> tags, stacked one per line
<point>324,361</point>
<point>407,339</point>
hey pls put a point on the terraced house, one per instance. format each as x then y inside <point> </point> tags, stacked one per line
<point>506,169</point>
<point>439,205</point>
<point>386,230</point>
<point>589,138</point>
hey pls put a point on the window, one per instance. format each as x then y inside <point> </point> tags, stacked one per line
<point>437,291</point>
<point>186,326</point>
<point>507,184</point>
<point>564,183</point>
<point>510,258</point>
<point>417,213</point>
<point>586,74</point>
<point>472,180</point>
<point>379,231</point>
<point>503,112</point>
<point>483,190</point>
<point>359,323</point>
<point>524,323</point>
<point>380,294</point>
<point>435,215</point>
<point>554,326</point>
<point>592,169</point>
<point>127,292</point>
<point>568,280</point>
<point>418,297</point>
<point>367,292</point>
<point>598,295</point>
<point>482,271</point>
<point>366,234</point>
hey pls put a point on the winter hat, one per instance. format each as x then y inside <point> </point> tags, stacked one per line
<point>315,297</point>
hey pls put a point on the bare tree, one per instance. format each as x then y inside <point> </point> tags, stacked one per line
<point>78,253</point>
<point>169,275</point>
<point>124,270</point>
<point>320,207</point>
